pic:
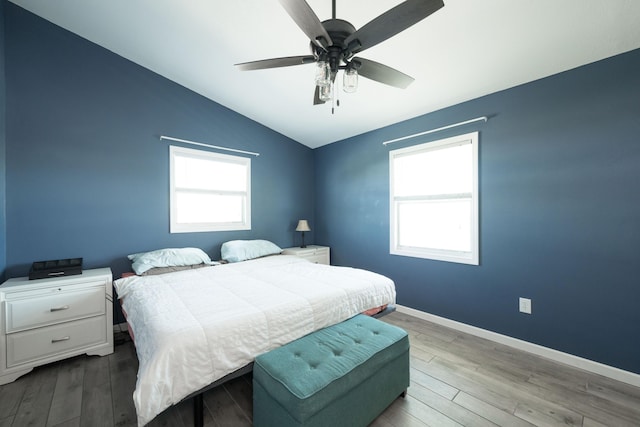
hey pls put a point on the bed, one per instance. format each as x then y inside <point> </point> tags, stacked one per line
<point>196,327</point>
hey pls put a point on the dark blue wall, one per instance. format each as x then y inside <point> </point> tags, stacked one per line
<point>3,219</point>
<point>559,213</point>
<point>87,175</point>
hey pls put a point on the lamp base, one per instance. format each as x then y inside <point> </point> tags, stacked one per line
<point>303,245</point>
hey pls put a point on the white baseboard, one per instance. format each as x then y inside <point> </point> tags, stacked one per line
<point>548,353</point>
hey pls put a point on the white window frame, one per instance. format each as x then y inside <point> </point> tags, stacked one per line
<point>473,256</point>
<point>176,227</point>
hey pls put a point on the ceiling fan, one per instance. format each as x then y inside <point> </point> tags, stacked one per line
<point>334,43</point>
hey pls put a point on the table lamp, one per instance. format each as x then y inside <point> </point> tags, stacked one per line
<point>303,226</point>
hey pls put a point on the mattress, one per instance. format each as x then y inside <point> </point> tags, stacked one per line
<point>193,327</point>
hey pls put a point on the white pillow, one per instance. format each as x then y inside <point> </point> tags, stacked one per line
<point>171,257</point>
<point>242,250</point>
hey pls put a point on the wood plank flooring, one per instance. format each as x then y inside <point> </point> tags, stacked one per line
<point>456,380</point>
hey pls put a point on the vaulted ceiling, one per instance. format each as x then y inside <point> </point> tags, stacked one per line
<point>467,49</point>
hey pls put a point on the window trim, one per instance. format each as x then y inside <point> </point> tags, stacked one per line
<point>176,227</point>
<point>473,256</point>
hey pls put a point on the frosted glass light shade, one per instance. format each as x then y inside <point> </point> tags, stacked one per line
<point>325,93</point>
<point>350,80</point>
<point>323,74</point>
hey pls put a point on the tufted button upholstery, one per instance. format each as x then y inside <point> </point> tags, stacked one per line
<point>310,374</point>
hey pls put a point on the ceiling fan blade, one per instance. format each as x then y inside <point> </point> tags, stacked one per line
<point>382,73</point>
<point>308,21</point>
<point>316,97</point>
<point>391,23</point>
<point>276,62</point>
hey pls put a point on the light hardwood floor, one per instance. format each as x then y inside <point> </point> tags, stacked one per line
<point>456,380</point>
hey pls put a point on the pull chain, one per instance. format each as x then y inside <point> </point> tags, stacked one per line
<point>333,98</point>
<point>335,102</point>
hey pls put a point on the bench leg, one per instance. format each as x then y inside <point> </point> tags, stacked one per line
<point>403,394</point>
<point>198,411</point>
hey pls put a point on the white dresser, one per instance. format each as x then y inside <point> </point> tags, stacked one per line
<point>317,254</point>
<point>45,320</point>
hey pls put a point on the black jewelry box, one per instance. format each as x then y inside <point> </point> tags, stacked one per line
<point>55,268</point>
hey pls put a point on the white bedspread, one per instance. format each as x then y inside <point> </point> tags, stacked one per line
<point>194,327</point>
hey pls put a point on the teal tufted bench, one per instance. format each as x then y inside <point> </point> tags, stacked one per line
<point>343,375</point>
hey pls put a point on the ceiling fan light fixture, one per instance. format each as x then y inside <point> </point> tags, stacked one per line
<point>325,92</point>
<point>323,74</point>
<point>350,80</point>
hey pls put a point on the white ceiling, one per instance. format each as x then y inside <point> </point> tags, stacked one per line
<point>467,49</point>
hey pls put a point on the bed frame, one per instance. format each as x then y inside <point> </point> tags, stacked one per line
<point>197,397</point>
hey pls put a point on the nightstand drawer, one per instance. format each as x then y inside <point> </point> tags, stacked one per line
<point>27,346</point>
<point>316,258</point>
<point>54,308</point>
<point>313,253</point>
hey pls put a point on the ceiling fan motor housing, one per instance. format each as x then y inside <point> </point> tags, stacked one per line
<point>337,52</point>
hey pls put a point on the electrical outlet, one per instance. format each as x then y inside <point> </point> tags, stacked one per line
<point>525,305</point>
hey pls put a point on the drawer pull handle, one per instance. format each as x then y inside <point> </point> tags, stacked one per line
<point>64,307</point>
<point>55,340</point>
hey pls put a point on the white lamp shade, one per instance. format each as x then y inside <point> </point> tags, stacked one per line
<point>303,225</point>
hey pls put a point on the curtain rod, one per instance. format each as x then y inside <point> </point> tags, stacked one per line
<point>466,122</point>
<point>186,141</point>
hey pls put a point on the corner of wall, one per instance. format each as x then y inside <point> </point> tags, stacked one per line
<point>3,133</point>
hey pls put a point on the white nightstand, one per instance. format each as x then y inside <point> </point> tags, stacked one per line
<point>46,320</point>
<point>317,254</point>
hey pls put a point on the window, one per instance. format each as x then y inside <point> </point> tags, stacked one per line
<point>434,200</point>
<point>209,191</point>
